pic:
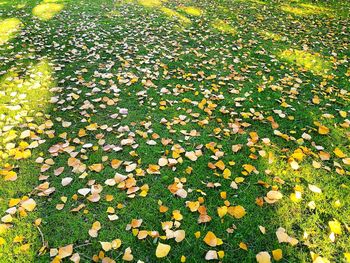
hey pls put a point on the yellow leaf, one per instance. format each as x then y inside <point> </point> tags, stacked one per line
<point>263,257</point>
<point>248,167</point>
<point>66,251</point>
<point>347,257</point>
<point>239,180</point>
<point>29,204</point>
<point>142,234</point>
<point>211,254</point>
<point>97,167</point>
<point>193,206</point>
<point>323,130</point>
<point>339,153</point>
<point>10,176</point>
<point>106,246</point>
<point>335,227</point>
<point>314,189</point>
<point>211,240</point>
<point>162,250</point>
<point>274,195</point>
<point>191,155</point>
<point>197,234</point>
<point>18,239</point>
<point>220,164</point>
<point>14,201</point>
<point>236,211</point>
<point>226,173</point>
<point>179,235</point>
<point>24,247</point>
<point>221,253</point>
<point>343,114</point>
<point>7,219</point>
<point>116,243</point>
<point>222,211</point>
<point>127,255</point>
<point>277,254</point>
<point>177,215</point>
<point>243,246</point>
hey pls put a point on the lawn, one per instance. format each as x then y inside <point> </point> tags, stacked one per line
<point>174,131</point>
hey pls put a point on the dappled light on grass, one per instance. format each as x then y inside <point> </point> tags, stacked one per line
<point>186,145</point>
<point>47,11</point>
<point>258,2</point>
<point>151,3</point>
<point>305,9</point>
<point>9,28</point>
<point>113,13</point>
<point>223,27</point>
<point>20,6</point>
<point>170,13</point>
<point>270,35</point>
<point>313,210</point>
<point>175,15</point>
<point>52,1</point>
<point>191,10</point>
<point>313,62</point>
<point>253,2</point>
<point>21,100</point>
<point>24,96</point>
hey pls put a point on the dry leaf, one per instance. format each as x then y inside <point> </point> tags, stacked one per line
<point>162,250</point>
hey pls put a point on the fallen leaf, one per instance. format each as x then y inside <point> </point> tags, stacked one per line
<point>263,257</point>
<point>162,250</point>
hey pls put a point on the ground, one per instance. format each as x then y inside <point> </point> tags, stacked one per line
<point>174,131</point>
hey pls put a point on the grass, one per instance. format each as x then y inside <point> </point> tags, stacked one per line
<point>9,28</point>
<point>259,90</point>
<point>47,11</point>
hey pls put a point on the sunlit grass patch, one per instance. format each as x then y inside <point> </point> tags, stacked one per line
<point>313,200</point>
<point>113,13</point>
<point>253,1</point>
<point>313,62</point>
<point>21,98</point>
<point>132,91</point>
<point>47,11</point>
<point>192,10</point>
<point>305,9</point>
<point>175,15</point>
<point>20,6</point>
<point>258,2</point>
<point>223,27</point>
<point>271,35</point>
<point>315,7</point>
<point>24,98</point>
<point>151,3</point>
<point>9,29</point>
<point>52,1</point>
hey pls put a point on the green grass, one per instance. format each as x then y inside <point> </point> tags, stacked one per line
<point>205,75</point>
